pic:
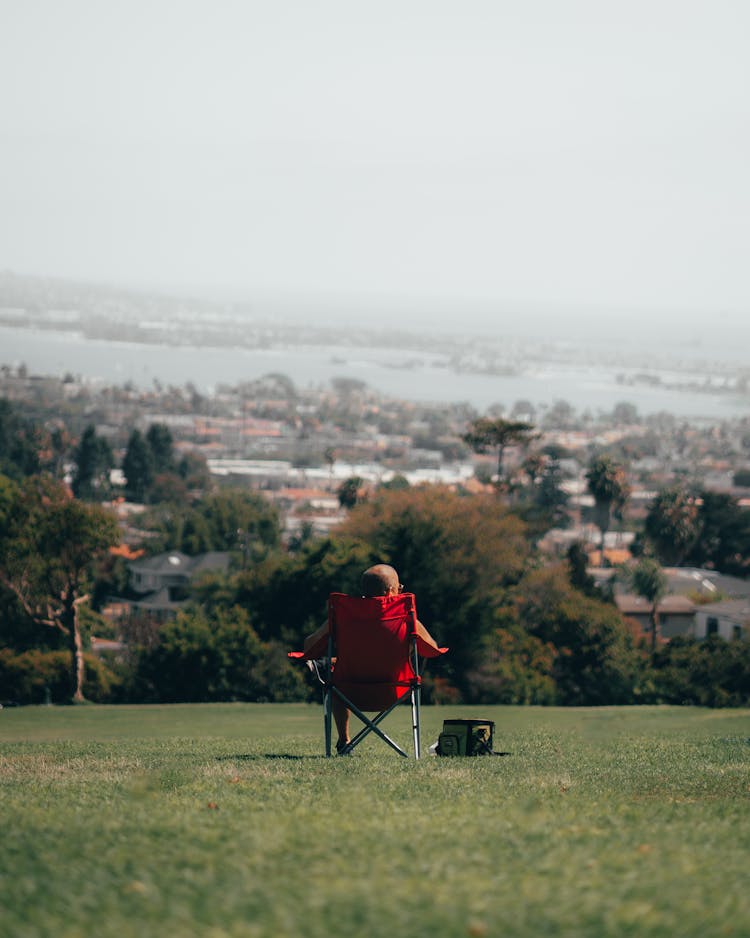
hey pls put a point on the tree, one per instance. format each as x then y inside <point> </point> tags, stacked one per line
<point>223,521</point>
<point>608,484</point>
<point>20,444</point>
<point>233,511</point>
<point>396,482</point>
<point>348,491</point>
<point>48,545</point>
<point>193,469</point>
<point>624,414</point>
<point>523,408</point>
<point>287,593</point>
<point>560,416</point>
<point>202,656</point>
<point>485,433</point>
<point>458,555</point>
<point>710,673</point>
<point>579,577</point>
<point>534,466</point>
<point>330,455</point>
<point>723,541</point>
<point>515,668</point>
<point>159,440</point>
<point>550,495</point>
<point>672,524</point>
<point>595,661</point>
<point>93,458</point>
<point>59,447</point>
<point>649,581</point>
<point>168,487</point>
<point>138,467</point>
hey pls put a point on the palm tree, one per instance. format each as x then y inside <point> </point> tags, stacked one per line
<point>648,580</point>
<point>608,484</point>
<point>329,454</point>
<point>672,524</point>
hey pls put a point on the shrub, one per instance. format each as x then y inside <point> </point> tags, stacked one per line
<point>710,673</point>
<point>201,658</point>
<point>35,677</point>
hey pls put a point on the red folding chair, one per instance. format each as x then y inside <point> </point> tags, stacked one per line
<point>370,661</point>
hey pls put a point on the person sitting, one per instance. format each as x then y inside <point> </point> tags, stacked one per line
<point>379,580</point>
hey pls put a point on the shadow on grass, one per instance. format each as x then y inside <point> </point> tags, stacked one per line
<point>253,757</point>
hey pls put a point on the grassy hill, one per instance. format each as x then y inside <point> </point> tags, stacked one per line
<point>225,820</point>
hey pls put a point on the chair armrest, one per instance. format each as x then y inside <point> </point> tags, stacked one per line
<point>424,650</point>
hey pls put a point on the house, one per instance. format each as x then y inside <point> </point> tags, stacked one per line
<point>676,613</point>
<point>708,583</point>
<point>162,582</point>
<point>729,619</point>
<point>105,647</point>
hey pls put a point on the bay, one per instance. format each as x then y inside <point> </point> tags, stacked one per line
<point>399,373</point>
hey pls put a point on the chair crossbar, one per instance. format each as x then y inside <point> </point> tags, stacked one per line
<point>371,726</point>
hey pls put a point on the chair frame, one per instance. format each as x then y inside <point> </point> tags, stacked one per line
<point>411,691</point>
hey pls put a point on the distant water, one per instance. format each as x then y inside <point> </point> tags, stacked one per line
<point>417,376</point>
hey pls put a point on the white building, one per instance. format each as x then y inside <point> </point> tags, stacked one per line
<point>729,619</point>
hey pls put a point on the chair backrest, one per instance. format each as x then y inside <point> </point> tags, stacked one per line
<point>373,637</point>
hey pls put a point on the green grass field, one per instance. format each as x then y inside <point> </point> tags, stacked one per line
<point>225,820</point>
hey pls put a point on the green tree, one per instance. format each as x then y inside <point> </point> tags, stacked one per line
<point>138,467</point>
<point>193,470</point>
<point>234,516</point>
<point>608,484</point>
<point>35,676</point>
<point>216,656</point>
<point>486,433</point>
<point>550,497</point>
<point>595,660</point>
<point>59,447</point>
<point>710,673</point>
<point>579,577</point>
<point>48,545</point>
<point>457,554</point>
<point>168,487</point>
<point>161,444</point>
<point>287,594</point>
<point>672,524</point>
<point>649,581</point>
<point>94,460</point>
<point>20,443</point>
<point>723,541</point>
<point>515,667</point>
<point>227,520</point>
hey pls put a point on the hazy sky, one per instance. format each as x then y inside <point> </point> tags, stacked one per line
<point>549,153</point>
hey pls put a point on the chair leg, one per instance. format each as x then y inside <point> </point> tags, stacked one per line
<point>415,720</point>
<point>327,720</point>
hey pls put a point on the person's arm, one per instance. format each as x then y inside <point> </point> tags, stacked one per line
<point>316,644</point>
<point>426,644</point>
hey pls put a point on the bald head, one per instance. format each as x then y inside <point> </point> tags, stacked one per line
<point>380,580</point>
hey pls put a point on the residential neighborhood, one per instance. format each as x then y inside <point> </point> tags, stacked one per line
<point>298,448</point>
